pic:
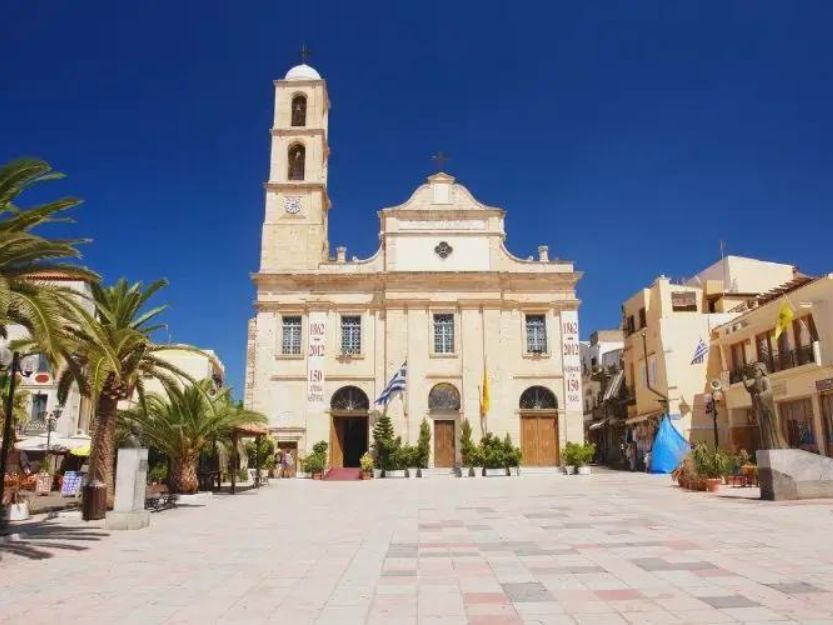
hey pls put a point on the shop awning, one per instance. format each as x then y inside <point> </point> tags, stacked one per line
<point>57,443</point>
<point>643,417</point>
<point>598,425</point>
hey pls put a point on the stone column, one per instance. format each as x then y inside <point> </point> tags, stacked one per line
<point>131,477</point>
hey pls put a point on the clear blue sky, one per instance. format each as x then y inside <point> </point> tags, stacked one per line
<point>629,136</point>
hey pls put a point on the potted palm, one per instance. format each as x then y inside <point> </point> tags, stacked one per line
<point>366,463</point>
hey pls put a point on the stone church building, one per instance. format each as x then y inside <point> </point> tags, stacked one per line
<point>442,293</point>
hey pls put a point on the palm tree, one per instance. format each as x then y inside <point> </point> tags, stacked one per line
<point>26,258</point>
<point>182,424</point>
<point>110,352</point>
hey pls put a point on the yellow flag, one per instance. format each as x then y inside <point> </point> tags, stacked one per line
<point>484,398</point>
<point>785,317</point>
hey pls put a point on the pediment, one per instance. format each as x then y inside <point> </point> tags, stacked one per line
<point>441,192</point>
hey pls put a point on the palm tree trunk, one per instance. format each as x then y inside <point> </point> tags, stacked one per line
<point>102,455</point>
<point>184,475</point>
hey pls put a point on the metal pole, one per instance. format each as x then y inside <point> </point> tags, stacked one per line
<point>48,440</point>
<point>233,459</point>
<point>7,434</point>
<point>257,461</point>
<point>714,421</point>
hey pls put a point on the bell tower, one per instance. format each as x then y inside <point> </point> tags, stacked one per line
<point>295,224</point>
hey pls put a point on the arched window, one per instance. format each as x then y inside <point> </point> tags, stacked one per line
<point>349,398</point>
<point>538,398</point>
<point>299,110</point>
<point>297,157</point>
<point>444,397</point>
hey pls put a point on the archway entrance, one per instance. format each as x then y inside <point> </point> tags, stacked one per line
<point>539,427</point>
<point>444,405</point>
<point>349,428</point>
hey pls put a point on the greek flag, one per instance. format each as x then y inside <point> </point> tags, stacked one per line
<point>700,352</point>
<point>397,383</point>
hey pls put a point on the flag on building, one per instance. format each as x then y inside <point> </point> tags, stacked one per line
<point>484,394</point>
<point>785,318</point>
<point>700,352</point>
<point>397,384</point>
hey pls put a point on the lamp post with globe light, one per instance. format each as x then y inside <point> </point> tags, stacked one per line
<point>11,364</point>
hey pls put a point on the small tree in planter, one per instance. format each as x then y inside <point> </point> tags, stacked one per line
<point>512,455</point>
<point>384,443</point>
<point>423,448</point>
<point>470,453</point>
<point>573,454</point>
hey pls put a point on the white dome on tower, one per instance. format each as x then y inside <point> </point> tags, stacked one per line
<point>302,72</point>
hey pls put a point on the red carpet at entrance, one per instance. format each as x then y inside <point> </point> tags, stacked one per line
<point>343,475</point>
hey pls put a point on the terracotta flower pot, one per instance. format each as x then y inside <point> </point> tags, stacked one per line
<point>713,484</point>
<point>366,475</point>
<point>317,476</point>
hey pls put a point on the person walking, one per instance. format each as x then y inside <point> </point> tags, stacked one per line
<point>289,463</point>
<point>279,462</point>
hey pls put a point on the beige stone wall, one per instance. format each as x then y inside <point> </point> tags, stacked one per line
<point>396,292</point>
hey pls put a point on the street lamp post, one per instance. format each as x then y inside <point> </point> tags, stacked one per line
<point>51,421</point>
<point>716,395</point>
<point>13,364</point>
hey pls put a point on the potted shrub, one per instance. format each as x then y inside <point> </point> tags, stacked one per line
<point>422,451</point>
<point>711,465</point>
<point>316,462</point>
<point>18,507</point>
<point>512,456</point>
<point>494,456</point>
<point>469,452</point>
<point>584,456</point>
<point>384,445</point>
<point>366,463</point>
<point>398,463</point>
<point>569,453</point>
<point>410,458</point>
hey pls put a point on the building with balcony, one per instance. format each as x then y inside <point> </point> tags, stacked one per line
<point>666,324</point>
<point>799,365</point>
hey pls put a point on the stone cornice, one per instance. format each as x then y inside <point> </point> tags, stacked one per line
<point>542,282</point>
<point>301,131</point>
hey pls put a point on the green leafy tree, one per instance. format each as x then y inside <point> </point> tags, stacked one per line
<point>184,423</point>
<point>264,449</point>
<point>109,353</point>
<point>423,448</point>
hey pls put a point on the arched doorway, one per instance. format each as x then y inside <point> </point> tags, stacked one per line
<point>349,430</point>
<point>444,406</point>
<point>539,426</point>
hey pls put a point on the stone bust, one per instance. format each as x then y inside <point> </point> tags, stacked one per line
<point>134,439</point>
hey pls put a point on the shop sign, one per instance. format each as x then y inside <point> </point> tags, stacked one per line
<point>824,385</point>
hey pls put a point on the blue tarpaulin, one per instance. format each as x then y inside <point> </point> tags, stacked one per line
<point>670,447</point>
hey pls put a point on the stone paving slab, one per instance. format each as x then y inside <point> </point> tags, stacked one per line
<point>543,550</point>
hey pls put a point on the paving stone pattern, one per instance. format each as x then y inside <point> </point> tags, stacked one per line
<point>609,549</point>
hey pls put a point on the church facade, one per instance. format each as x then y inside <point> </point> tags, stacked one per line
<point>441,293</point>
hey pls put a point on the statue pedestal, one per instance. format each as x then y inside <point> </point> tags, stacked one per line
<point>794,474</point>
<point>131,477</point>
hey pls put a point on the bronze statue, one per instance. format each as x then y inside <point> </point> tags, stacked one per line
<point>134,439</point>
<point>763,404</point>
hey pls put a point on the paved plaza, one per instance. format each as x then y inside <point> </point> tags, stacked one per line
<point>607,549</point>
